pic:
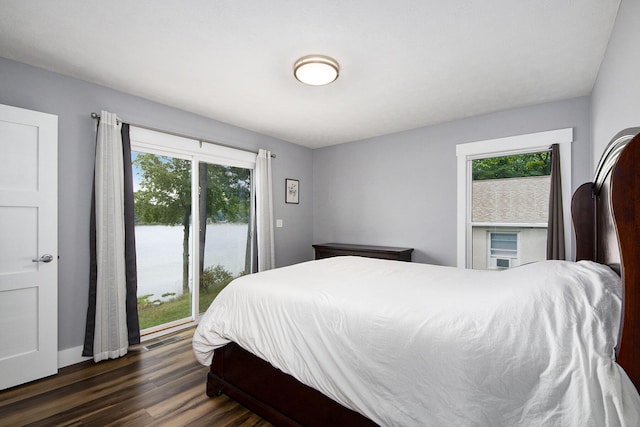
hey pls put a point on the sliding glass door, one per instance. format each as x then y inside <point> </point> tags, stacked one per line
<point>193,225</point>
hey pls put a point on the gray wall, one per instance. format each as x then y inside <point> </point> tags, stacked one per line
<point>616,94</point>
<point>400,189</point>
<point>72,101</point>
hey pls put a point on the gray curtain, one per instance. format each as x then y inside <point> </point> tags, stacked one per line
<point>129,261</point>
<point>555,228</point>
<point>264,211</point>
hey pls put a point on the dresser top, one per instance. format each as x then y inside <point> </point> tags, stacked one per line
<point>349,246</point>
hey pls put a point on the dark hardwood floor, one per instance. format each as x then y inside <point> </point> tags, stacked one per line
<point>159,386</point>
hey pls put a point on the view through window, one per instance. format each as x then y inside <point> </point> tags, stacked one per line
<point>510,203</point>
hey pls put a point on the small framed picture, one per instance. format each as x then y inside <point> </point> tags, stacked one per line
<point>292,191</point>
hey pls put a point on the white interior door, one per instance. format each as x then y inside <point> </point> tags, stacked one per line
<point>28,245</point>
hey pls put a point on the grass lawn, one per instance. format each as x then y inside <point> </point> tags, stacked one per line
<point>177,308</point>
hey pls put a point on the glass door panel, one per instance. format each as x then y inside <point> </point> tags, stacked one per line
<point>162,199</point>
<point>225,201</point>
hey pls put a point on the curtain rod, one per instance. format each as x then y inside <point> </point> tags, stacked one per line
<point>96,116</point>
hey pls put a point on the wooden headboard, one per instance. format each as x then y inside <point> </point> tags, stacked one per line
<point>605,217</point>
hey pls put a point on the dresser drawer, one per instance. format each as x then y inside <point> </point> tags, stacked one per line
<point>327,250</point>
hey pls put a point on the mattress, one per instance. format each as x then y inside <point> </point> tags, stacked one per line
<point>416,344</point>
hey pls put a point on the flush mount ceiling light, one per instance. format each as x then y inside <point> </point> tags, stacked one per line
<point>316,70</point>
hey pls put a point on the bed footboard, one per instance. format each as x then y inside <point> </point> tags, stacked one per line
<point>277,397</point>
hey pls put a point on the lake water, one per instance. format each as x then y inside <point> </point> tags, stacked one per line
<point>159,255</point>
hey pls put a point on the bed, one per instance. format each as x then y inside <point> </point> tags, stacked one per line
<point>363,342</point>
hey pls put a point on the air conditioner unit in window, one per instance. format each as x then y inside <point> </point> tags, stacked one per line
<point>503,262</point>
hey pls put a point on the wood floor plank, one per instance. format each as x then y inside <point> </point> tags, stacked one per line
<point>178,402</point>
<point>138,418</point>
<point>148,387</point>
<point>211,412</point>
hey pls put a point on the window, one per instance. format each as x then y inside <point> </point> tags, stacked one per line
<point>503,249</point>
<point>193,224</point>
<point>496,199</point>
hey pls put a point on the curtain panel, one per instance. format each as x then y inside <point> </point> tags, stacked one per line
<point>555,227</point>
<point>112,316</point>
<point>264,211</point>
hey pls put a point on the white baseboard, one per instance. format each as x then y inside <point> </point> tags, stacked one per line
<point>71,356</point>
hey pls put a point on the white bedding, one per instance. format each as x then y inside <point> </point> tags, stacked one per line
<point>416,344</point>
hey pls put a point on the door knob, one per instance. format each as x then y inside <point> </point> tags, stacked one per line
<point>44,258</point>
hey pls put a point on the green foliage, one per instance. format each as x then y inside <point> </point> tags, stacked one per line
<point>165,189</point>
<point>215,277</point>
<point>228,193</point>
<point>164,195</point>
<point>516,166</point>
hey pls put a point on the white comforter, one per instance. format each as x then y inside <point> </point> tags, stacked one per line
<point>415,344</point>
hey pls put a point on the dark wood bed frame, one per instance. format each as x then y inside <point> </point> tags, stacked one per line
<point>605,216</point>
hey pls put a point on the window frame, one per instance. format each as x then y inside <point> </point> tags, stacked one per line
<point>196,151</point>
<point>519,144</point>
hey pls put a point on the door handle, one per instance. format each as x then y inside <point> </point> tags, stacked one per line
<point>44,258</point>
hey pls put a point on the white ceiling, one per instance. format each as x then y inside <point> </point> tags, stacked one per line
<point>404,63</point>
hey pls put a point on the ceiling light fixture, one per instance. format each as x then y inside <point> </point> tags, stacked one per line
<point>316,70</point>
